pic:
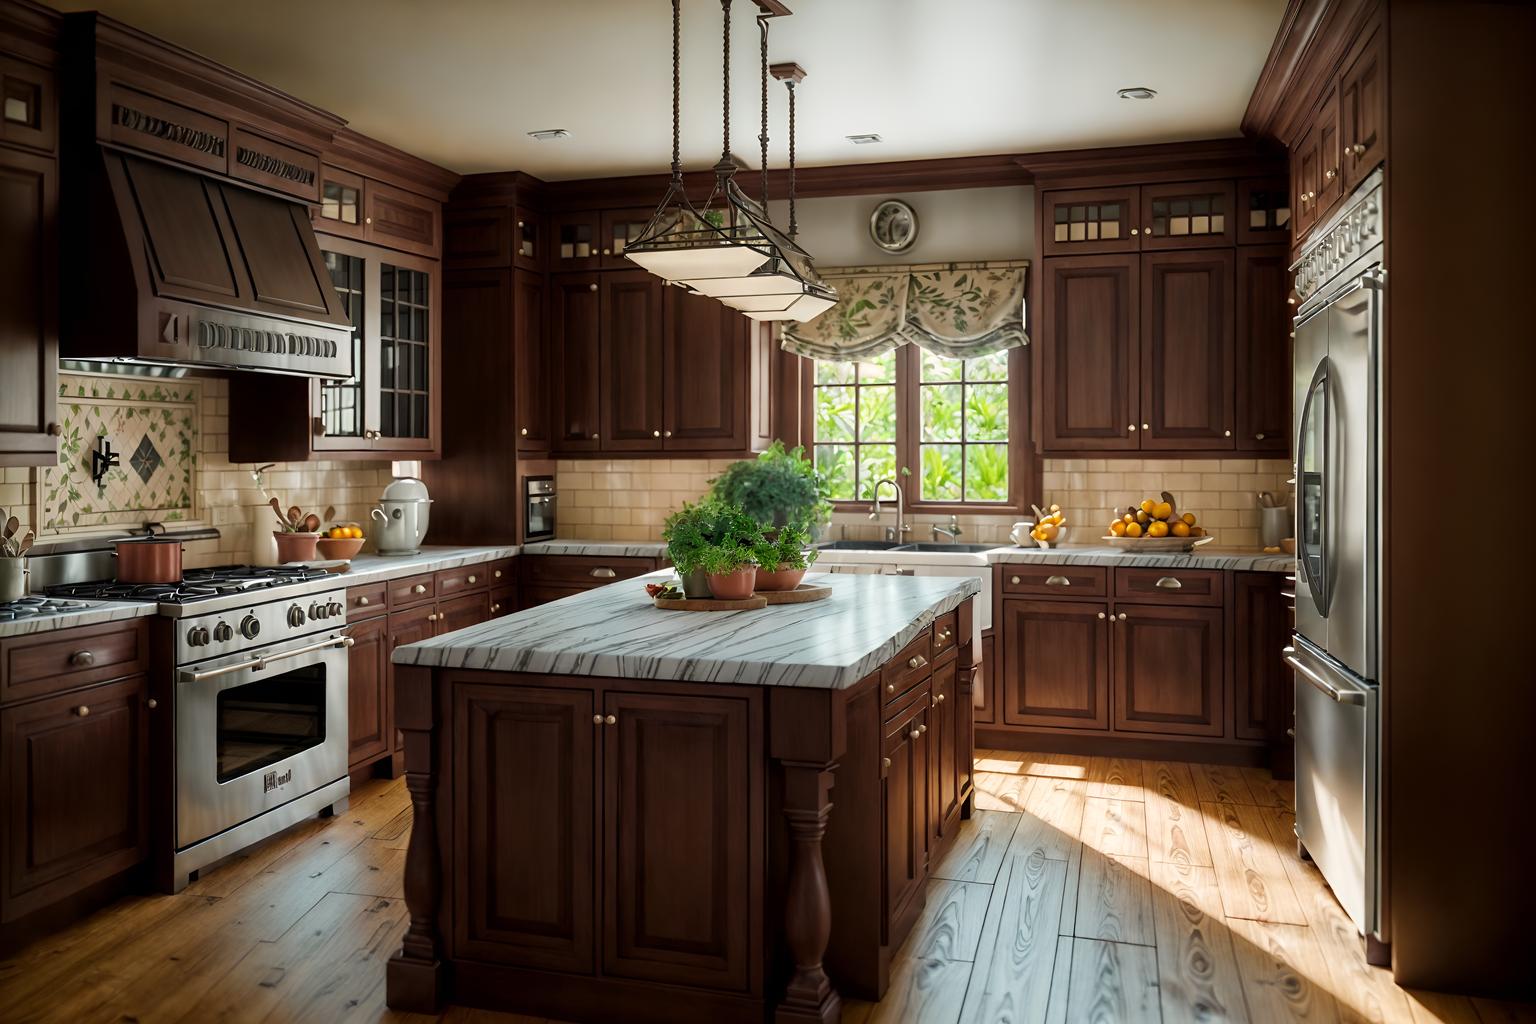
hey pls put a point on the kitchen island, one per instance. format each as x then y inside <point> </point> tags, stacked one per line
<point>622,813</point>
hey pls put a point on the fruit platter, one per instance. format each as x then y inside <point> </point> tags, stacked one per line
<point>1156,524</point>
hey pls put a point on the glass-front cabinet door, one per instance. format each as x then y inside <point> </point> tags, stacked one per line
<point>1091,220</point>
<point>620,227</point>
<point>1194,215</point>
<point>389,402</point>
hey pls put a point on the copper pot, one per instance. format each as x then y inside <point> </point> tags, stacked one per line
<point>149,560</point>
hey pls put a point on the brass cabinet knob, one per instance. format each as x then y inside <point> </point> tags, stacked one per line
<point>524,431</point>
<point>885,762</point>
<point>432,617</point>
<point>363,600</point>
<point>1146,426</point>
<point>594,437</point>
<point>655,433</point>
<point>592,287</point>
<point>419,588</point>
<point>1013,580</point>
<point>54,430</point>
<point>1133,231</point>
<point>1101,615</point>
<point>1121,616</point>
<point>474,579</point>
<point>1358,149</point>
<point>151,703</point>
<point>1330,174</point>
<point>495,608</point>
<point>82,710</point>
<point>607,253</point>
<point>82,658</point>
<point>915,733</point>
<point>1226,433</point>
<point>890,687</point>
<point>666,433</point>
<point>939,699</point>
<point>922,729</point>
<point>1132,428</point>
<point>1259,436</point>
<point>497,574</point>
<point>597,719</point>
<point>611,720</point>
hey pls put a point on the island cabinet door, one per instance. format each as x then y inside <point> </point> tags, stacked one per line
<point>524,822</point>
<point>905,765</point>
<point>944,789</point>
<point>1055,664</point>
<point>1169,670</point>
<point>677,828</point>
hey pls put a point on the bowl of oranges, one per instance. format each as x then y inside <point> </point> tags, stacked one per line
<point>342,541</point>
<point>1048,530</point>
<point>1156,525</point>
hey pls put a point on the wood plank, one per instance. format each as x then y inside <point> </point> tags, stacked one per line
<point>1252,880</point>
<point>1499,1011</point>
<point>951,923</point>
<point>1441,1008</point>
<point>1061,980</point>
<point>1283,973</point>
<point>395,833</point>
<point>1011,979</point>
<point>1052,819</point>
<point>996,791</point>
<point>925,990</point>
<point>1114,899</point>
<point>325,968</point>
<point>857,1011</point>
<point>1197,971</point>
<point>1115,826</point>
<point>1175,827</point>
<point>1009,762</point>
<point>1056,766</point>
<point>1112,981</point>
<point>1117,778</point>
<point>1269,791</point>
<point>1069,905</point>
<point>978,850</point>
<point>1221,784</point>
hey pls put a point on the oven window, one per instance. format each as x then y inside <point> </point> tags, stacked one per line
<point>264,722</point>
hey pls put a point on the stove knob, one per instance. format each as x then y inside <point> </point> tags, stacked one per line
<point>222,632</point>
<point>295,616</point>
<point>197,636</point>
<point>317,611</point>
<point>250,627</point>
<point>334,608</point>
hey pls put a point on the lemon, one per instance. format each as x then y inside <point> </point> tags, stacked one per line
<point>1157,529</point>
<point>1133,530</point>
<point>1148,505</point>
<point>1179,528</point>
<point>1117,528</point>
<point>1188,517</point>
<point>1142,516</point>
<point>1162,510</point>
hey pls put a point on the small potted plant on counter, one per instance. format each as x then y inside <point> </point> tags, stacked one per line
<point>783,559</point>
<point>299,532</point>
<point>688,532</point>
<point>729,562</point>
<point>778,488</point>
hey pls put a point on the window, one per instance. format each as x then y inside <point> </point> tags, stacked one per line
<point>950,421</point>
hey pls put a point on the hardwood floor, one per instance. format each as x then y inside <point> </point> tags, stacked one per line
<point>1082,889</point>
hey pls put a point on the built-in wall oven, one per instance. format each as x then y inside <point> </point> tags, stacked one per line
<point>1338,342</point>
<point>539,508</point>
<point>261,724</point>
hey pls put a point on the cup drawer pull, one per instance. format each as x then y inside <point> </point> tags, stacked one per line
<point>916,661</point>
<point>1168,583</point>
<point>1057,581</point>
<point>82,658</point>
<point>602,572</point>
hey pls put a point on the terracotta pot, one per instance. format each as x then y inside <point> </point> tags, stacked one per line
<point>295,547</point>
<point>733,586</point>
<point>781,578</point>
<point>148,560</point>
<point>696,584</point>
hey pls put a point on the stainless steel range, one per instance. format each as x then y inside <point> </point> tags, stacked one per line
<point>259,691</point>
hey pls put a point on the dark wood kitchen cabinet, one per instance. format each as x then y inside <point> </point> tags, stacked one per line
<point>1090,220</point>
<point>575,241</point>
<point>1187,215</point>
<point>1056,661</point>
<point>1187,373</point>
<point>717,377</point>
<point>620,227</point>
<point>531,376</point>
<point>369,727</point>
<point>631,360</point>
<point>945,779</point>
<point>1168,670</point>
<point>1261,679</point>
<point>1362,108</point>
<point>563,772</point>
<point>29,308</point>
<point>906,770</point>
<point>1089,353</point>
<point>1262,360</point>
<point>575,330</point>
<point>359,207</point>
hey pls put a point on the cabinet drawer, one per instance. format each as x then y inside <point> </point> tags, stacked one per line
<point>502,573</point>
<point>945,639</point>
<point>503,601</point>
<point>463,579</point>
<point>585,570</point>
<point>1048,580</point>
<point>1169,586</point>
<point>33,666</point>
<point>368,599</point>
<point>910,666</point>
<point>411,590</point>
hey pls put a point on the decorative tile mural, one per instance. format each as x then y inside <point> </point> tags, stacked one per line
<point>152,425</point>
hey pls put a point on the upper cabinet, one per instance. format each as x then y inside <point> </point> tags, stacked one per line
<point>620,227</point>
<point>357,207</point>
<point>29,271</point>
<point>1165,330</point>
<point>575,241</point>
<point>1362,108</point>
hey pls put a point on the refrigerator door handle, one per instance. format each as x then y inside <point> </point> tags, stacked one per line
<point>1333,693</point>
<point>1317,582</point>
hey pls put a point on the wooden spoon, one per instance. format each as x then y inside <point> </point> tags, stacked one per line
<point>11,526</point>
<point>295,514</point>
<point>26,543</point>
<point>311,523</point>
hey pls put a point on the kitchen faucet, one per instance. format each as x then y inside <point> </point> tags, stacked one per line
<point>901,529</point>
<point>951,531</point>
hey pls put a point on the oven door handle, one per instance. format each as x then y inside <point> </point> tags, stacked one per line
<point>261,663</point>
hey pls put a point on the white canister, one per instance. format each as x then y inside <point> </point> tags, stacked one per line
<point>13,579</point>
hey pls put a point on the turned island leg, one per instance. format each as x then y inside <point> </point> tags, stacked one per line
<point>414,976</point>
<point>809,996</point>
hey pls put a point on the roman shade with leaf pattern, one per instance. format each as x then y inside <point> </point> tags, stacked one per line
<point>956,310</point>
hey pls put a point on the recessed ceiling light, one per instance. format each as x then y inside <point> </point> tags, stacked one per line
<point>1136,92</point>
<point>546,134</point>
<point>864,140</point>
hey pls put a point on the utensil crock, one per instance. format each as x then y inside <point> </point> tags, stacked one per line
<point>13,579</point>
<point>295,547</point>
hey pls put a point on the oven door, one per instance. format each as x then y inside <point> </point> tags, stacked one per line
<point>541,517</point>
<point>256,730</point>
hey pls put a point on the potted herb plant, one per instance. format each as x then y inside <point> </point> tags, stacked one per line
<point>688,532</point>
<point>299,532</point>
<point>729,559</point>
<point>783,560</point>
<point>778,488</point>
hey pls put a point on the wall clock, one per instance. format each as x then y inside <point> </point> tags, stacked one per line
<point>893,226</point>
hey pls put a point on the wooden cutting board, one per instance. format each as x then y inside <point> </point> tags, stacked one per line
<point>800,595</point>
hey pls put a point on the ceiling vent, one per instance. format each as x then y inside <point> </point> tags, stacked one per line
<point>1136,92</point>
<point>547,134</point>
<point>864,140</point>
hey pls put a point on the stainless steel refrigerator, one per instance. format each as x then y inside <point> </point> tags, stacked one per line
<point>1338,341</point>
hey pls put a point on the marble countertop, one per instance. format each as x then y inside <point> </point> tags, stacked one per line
<point>369,568</point>
<point>616,631</point>
<point>1207,556</point>
<point>101,611</point>
<point>598,548</point>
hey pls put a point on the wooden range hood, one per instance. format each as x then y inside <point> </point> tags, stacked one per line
<point>185,217</point>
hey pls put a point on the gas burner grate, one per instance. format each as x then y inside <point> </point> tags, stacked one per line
<point>195,585</point>
<point>38,607</point>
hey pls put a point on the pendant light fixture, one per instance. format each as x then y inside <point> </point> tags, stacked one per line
<point>683,242</point>
<point>786,286</point>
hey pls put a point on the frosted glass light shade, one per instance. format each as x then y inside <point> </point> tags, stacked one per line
<point>803,309</point>
<point>699,262</point>
<point>723,288</point>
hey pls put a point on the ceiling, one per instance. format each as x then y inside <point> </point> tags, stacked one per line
<point>461,82</point>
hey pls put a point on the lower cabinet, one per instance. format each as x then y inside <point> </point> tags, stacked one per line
<point>669,808</point>
<point>1056,655</point>
<point>905,771</point>
<point>984,696</point>
<point>75,776</point>
<point>548,578</point>
<point>1168,670</point>
<point>369,724</point>
<point>948,774</point>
